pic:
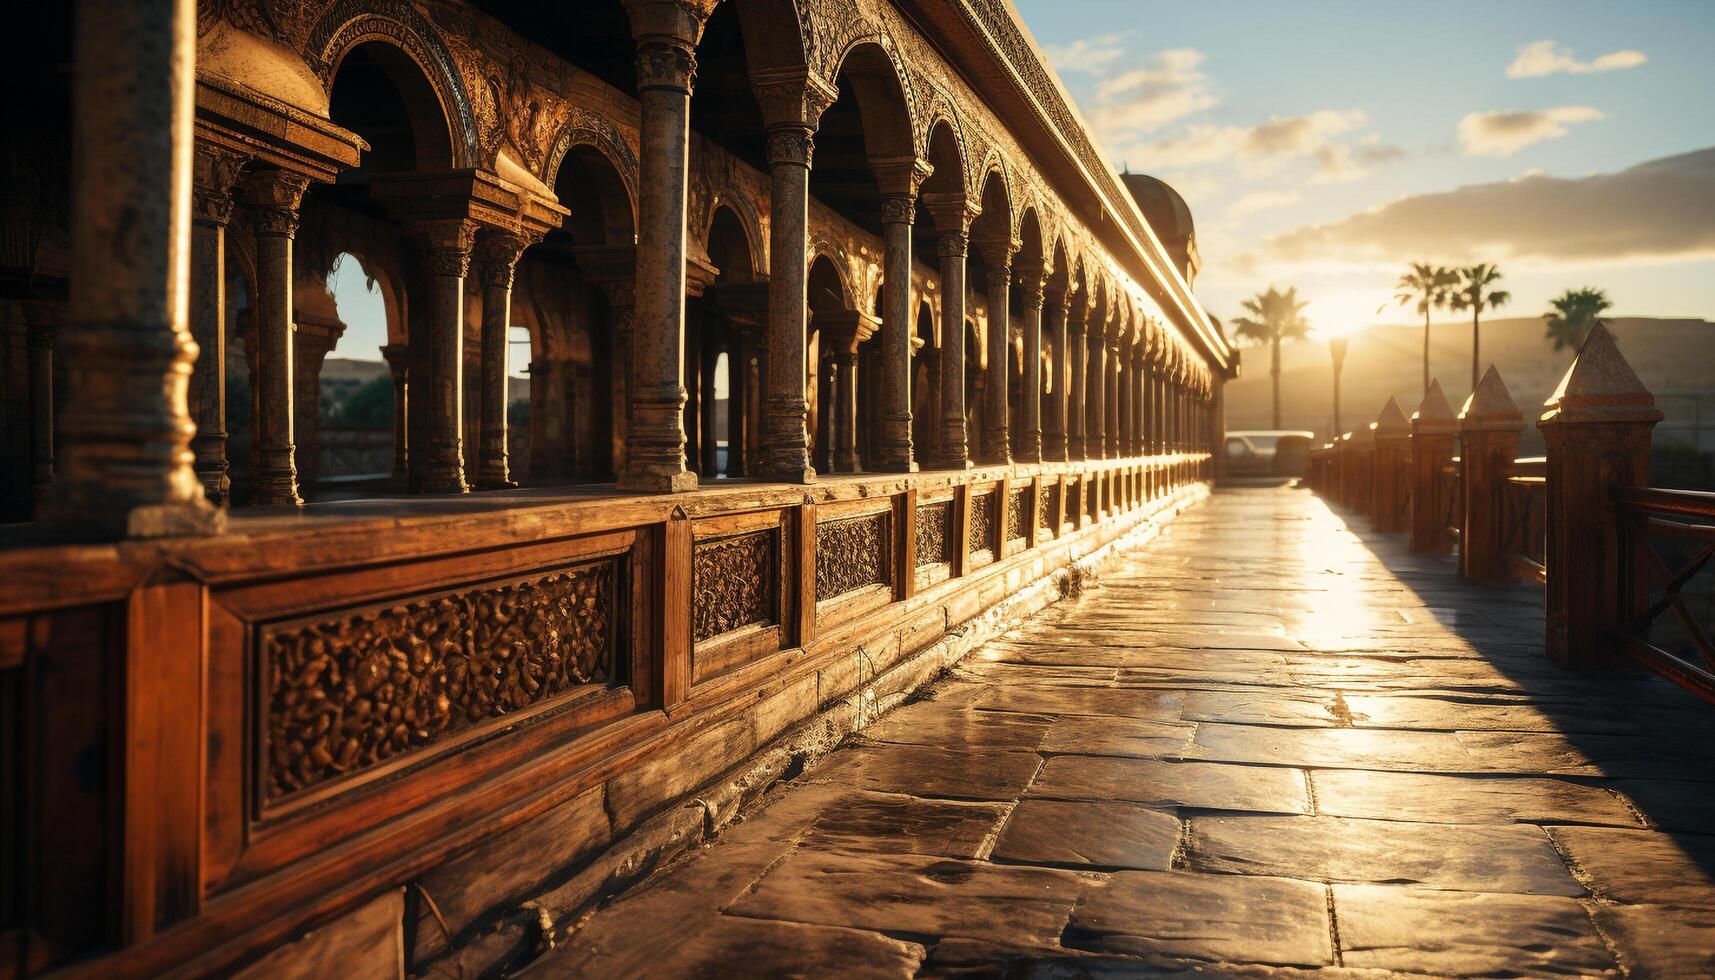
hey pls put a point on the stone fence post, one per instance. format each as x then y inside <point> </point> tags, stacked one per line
<point>1597,425</point>
<point>1433,429</point>
<point>1489,427</point>
<point>1392,449</point>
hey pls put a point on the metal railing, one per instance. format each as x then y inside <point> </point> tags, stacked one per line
<point>1667,543</point>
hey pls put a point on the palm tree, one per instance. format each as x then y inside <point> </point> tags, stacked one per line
<point>1575,312</point>
<point>1474,295</point>
<point>1275,316</point>
<point>1427,287</point>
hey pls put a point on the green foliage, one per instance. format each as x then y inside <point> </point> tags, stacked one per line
<point>1574,312</point>
<point>369,407</point>
<point>1474,294</point>
<point>1274,316</point>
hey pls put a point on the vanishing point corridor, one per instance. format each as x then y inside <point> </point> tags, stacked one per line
<point>1266,741</point>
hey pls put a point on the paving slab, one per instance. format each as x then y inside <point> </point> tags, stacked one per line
<point>1201,785</point>
<point>1424,798</point>
<point>1117,736</point>
<point>922,896</point>
<point>1118,702</point>
<point>1466,934</point>
<point>922,770</point>
<point>1214,917</point>
<point>1643,867</point>
<point>1514,859</point>
<point>900,824</point>
<point>1656,941</point>
<point>1097,834</point>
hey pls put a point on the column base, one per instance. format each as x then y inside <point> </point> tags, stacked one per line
<point>445,483</point>
<point>496,484</point>
<point>801,475</point>
<point>952,463</point>
<point>187,519</point>
<point>896,466</point>
<point>652,482</point>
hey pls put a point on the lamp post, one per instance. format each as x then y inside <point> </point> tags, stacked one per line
<point>1337,349</point>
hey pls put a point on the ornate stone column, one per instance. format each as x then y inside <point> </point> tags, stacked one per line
<point>898,181</point>
<point>1030,281</point>
<point>1139,437</point>
<point>43,323</point>
<point>667,32</point>
<point>497,255</point>
<point>1077,329</point>
<point>398,365</point>
<point>1111,392</point>
<point>1054,442</point>
<point>213,174</point>
<point>123,465</point>
<point>445,249</point>
<point>792,103</point>
<point>953,221</point>
<point>1095,410</point>
<point>273,197</point>
<point>997,441</point>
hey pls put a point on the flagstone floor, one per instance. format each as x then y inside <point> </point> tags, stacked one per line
<point>1270,743</point>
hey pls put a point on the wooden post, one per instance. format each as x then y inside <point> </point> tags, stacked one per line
<point>675,598</point>
<point>1597,426</point>
<point>1393,448</point>
<point>1433,429</point>
<point>1489,427</point>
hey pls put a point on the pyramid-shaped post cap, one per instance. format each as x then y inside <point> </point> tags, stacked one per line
<point>1434,415</point>
<point>1491,406</point>
<point>1364,435</point>
<point>1600,387</point>
<point>1392,423</point>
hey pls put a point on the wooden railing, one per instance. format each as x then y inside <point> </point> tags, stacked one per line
<point>1616,556</point>
<point>1524,517</point>
<point>1668,541</point>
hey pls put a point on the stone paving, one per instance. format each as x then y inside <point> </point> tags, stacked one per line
<point>1272,743</point>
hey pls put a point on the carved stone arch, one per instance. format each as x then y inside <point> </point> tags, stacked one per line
<point>733,199</point>
<point>995,163</point>
<point>829,29</point>
<point>823,248</point>
<point>942,111</point>
<point>594,131</point>
<point>877,80</point>
<point>349,23</point>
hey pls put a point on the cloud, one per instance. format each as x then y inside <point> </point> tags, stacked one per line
<point>1540,58</point>
<point>1661,209</point>
<point>1261,201</point>
<point>1342,163</point>
<point>1261,148</point>
<point>1501,134</point>
<point>1090,55</point>
<point>1146,99</point>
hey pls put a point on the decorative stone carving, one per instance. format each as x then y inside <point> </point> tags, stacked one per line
<point>983,524</point>
<point>853,553</point>
<point>734,583</point>
<point>1016,503</point>
<point>934,542</point>
<point>357,688</point>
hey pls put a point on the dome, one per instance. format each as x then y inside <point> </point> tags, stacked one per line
<point>1170,217</point>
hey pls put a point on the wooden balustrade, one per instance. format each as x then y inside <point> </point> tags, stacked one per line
<point>1614,555</point>
<point>219,742</point>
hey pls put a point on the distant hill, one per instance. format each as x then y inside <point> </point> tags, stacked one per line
<point>1674,357</point>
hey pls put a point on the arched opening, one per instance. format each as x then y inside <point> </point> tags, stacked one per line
<point>829,310</point>
<point>942,213</point>
<point>734,309</point>
<point>925,384</point>
<point>991,234</point>
<point>1024,383</point>
<point>381,94</point>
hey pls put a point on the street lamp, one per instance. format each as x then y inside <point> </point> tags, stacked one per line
<point>1337,349</point>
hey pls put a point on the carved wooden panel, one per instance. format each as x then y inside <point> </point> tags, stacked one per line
<point>350,690</point>
<point>1017,514</point>
<point>934,533</point>
<point>983,525</point>
<point>1047,503</point>
<point>735,583</point>
<point>853,553</point>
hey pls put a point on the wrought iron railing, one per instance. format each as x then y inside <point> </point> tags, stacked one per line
<point>1524,516</point>
<point>1667,543</point>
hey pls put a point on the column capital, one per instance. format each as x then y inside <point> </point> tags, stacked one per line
<point>953,245</point>
<point>1031,277</point>
<point>900,176</point>
<point>446,244</point>
<point>791,145</point>
<point>998,254</point>
<point>273,198</point>
<point>667,32</point>
<point>214,174</point>
<point>898,209</point>
<point>496,254</point>
<point>792,97</point>
<point>952,212</point>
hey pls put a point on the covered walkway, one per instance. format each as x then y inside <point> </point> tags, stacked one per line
<point>1270,740</point>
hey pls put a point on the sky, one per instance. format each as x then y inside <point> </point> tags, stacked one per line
<point>1326,144</point>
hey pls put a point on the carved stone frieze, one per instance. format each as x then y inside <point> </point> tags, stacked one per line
<point>934,537</point>
<point>852,553</point>
<point>735,582</point>
<point>358,688</point>
<point>1017,516</point>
